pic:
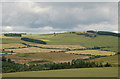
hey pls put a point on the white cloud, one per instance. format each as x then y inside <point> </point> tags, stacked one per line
<point>7,28</point>
<point>47,28</point>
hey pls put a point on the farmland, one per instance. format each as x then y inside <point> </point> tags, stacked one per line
<point>53,57</point>
<point>79,72</point>
<point>60,42</point>
<point>73,39</point>
<point>62,48</point>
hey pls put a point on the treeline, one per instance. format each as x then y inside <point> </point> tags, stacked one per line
<point>13,34</point>
<point>9,66</point>
<point>33,40</point>
<point>104,33</point>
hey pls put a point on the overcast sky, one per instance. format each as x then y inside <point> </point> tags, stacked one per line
<point>49,17</point>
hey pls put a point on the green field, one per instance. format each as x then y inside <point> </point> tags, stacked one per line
<point>80,72</point>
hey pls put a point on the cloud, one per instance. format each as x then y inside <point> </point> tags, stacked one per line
<point>61,16</point>
<point>7,28</point>
<point>97,27</point>
<point>47,28</point>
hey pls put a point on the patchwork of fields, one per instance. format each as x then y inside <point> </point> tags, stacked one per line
<point>73,39</point>
<point>52,57</point>
<point>64,47</point>
<point>58,47</point>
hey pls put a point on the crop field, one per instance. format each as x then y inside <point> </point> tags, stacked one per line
<point>53,56</point>
<point>12,45</point>
<point>79,72</point>
<point>93,52</point>
<point>33,50</point>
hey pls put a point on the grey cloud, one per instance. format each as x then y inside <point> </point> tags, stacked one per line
<point>59,15</point>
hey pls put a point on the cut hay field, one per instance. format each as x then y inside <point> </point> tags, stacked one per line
<point>57,46</point>
<point>64,46</point>
<point>93,52</point>
<point>33,50</point>
<point>53,56</point>
<point>79,72</point>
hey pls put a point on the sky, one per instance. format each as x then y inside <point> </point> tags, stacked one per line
<point>49,17</point>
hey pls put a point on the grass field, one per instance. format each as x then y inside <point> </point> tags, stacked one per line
<point>79,72</point>
<point>93,52</point>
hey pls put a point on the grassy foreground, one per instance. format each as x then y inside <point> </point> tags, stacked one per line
<point>80,72</point>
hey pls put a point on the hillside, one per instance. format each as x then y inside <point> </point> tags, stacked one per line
<point>74,39</point>
<point>61,48</point>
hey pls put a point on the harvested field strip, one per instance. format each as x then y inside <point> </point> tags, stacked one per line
<point>93,52</point>
<point>33,50</point>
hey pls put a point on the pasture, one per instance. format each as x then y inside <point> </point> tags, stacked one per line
<point>93,52</point>
<point>79,72</point>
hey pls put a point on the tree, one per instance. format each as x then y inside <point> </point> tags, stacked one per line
<point>3,58</point>
<point>107,65</point>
